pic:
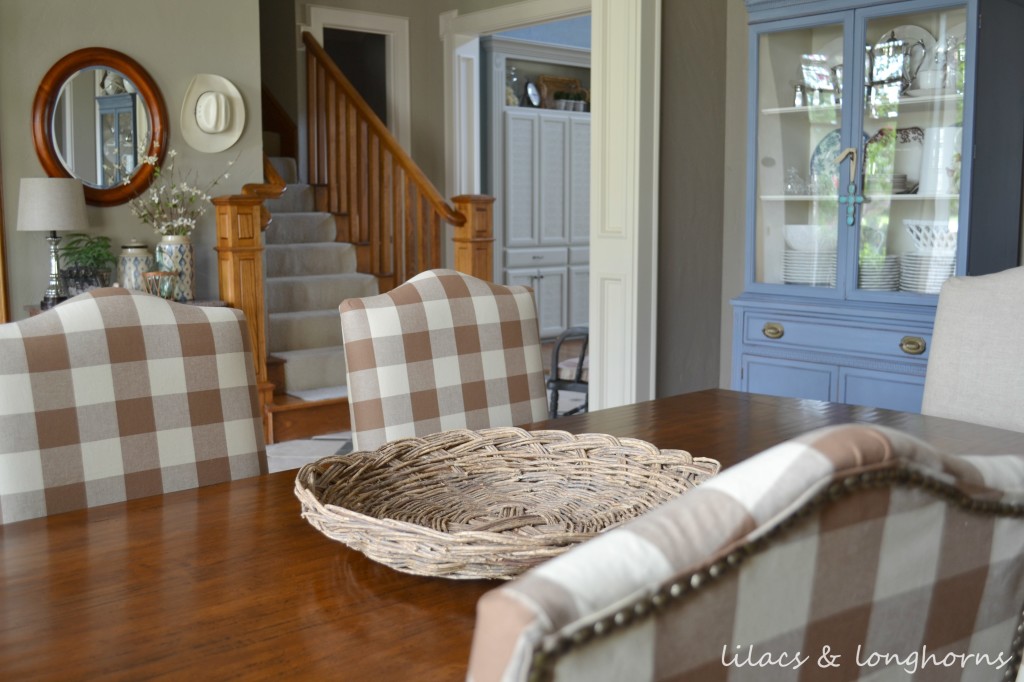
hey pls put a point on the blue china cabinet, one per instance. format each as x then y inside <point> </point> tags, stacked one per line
<point>885,152</point>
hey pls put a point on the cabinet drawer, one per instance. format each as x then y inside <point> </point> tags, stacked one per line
<point>834,336</point>
<point>526,258</point>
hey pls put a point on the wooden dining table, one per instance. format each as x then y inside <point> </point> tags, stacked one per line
<point>229,581</point>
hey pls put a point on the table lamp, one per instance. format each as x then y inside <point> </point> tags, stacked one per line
<point>52,205</point>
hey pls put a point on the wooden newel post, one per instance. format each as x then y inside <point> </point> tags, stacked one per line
<point>240,221</point>
<point>474,239</point>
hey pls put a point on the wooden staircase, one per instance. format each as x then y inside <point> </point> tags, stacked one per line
<point>381,202</point>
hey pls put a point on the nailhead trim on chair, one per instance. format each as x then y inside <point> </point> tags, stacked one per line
<point>555,646</point>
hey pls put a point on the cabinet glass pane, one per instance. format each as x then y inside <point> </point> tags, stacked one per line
<point>913,116</point>
<point>108,150</point>
<point>126,136</point>
<point>798,139</point>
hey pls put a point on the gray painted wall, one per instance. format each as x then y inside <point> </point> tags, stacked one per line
<point>690,195</point>
<point>173,42</point>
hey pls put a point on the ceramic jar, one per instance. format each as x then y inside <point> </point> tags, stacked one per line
<point>174,254</point>
<point>134,261</point>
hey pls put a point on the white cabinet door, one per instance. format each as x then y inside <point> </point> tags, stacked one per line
<point>553,171</point>
<point>550,294</point>
<point>521,179</point>
<point>579,180</point>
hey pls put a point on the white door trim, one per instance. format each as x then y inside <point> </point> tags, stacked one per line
<point>395,30</point>
<point>625,80</point>
<point>625,76</point>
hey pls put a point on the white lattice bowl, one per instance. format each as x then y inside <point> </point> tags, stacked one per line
<point>811,237</point>
<point>931,235</point>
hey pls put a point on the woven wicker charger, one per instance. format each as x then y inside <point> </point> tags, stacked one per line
<point>489,503</point>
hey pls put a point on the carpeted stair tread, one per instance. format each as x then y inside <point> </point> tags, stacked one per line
<point>296,198</point>
<point>303,329</point>
<point>301,228</point>
<point>314,367</point>
<point>316,292</point>
<point>285,260</point>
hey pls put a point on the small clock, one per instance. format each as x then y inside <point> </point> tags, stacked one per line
<point>531,95</point>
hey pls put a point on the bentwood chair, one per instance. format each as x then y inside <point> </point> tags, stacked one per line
<point>571,374</point>
<point>976,362</point>
<point>114,395</point>
<point>442,351</point>
<point>852,551</point>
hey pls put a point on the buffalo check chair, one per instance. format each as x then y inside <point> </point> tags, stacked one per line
<point>851,552</point>
<point>115,395</point>
<point>975,366</point>
<point>442,351</point>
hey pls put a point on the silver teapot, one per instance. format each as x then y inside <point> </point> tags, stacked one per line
<point>894,60</point>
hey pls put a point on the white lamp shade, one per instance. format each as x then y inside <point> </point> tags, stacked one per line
<point>46,204</point>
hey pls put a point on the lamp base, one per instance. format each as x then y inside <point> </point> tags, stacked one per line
<point>55,292</point>
<point>50,301</point>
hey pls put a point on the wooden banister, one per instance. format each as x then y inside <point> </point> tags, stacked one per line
<point>383,200</point>
<point>241,218</point>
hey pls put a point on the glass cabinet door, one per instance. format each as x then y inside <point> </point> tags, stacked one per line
<point>799,133</point>
<point>912,115</point>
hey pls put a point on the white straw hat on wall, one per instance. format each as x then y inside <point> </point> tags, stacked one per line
<point>213,113</point>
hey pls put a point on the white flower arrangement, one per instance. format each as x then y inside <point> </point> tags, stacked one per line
<point>173,205</point>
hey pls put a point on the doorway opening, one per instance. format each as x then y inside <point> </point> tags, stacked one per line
<point>362,57</point>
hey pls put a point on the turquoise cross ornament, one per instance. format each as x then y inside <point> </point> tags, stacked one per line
<point>851,200</point>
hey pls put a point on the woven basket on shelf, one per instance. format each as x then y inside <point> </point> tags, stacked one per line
<point>489,503</point>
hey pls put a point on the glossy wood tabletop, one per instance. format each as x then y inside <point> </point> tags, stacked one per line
<point>229,581</point>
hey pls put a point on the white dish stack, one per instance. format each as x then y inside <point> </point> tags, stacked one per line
<point>810,257</point>
<point>924,273</point>
<point>934,262</point>
<point>879,273</point>
<point>809,267</point>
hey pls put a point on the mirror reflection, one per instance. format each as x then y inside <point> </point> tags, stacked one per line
<point>101,127</point>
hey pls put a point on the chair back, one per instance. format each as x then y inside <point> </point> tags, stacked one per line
<point>976,364</point>
<point>115,394</point>
<point>442,351</point>
<point>851,552</point>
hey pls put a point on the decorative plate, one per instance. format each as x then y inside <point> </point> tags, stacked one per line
<point>823,161</point>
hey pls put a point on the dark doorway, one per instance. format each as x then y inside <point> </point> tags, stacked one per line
<point>361,57</point>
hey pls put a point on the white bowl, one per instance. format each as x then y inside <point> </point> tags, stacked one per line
<point>811,237</point>
<point>931,235</point>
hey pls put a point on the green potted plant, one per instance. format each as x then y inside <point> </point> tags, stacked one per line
<point>86,262</point>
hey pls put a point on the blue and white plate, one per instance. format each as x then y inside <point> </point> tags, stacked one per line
<point>823,160</point>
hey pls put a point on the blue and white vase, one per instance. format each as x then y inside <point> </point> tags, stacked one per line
<point>174,254</point>
<point>135,260</point>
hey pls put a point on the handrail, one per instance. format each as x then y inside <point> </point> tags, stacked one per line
<point>381,200</point>
<point>324,61</point>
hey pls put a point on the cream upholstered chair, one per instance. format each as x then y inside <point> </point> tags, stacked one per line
<point>115,395</point>
<point>976,365</point>
<point>442,351</point>
<point>854,551</point>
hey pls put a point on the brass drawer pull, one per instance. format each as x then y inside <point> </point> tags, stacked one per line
<point>773,330</point>
<point>912,345</point>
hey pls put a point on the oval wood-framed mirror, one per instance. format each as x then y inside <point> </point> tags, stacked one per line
<point>106,75</point>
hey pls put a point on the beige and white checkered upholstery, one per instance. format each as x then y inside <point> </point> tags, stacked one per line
<point>442,351</point>
<point>859,550</point>
<point>115,395</point>
<point>975,365</point>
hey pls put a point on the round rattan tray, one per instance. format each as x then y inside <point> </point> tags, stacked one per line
<point>489,503</point>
